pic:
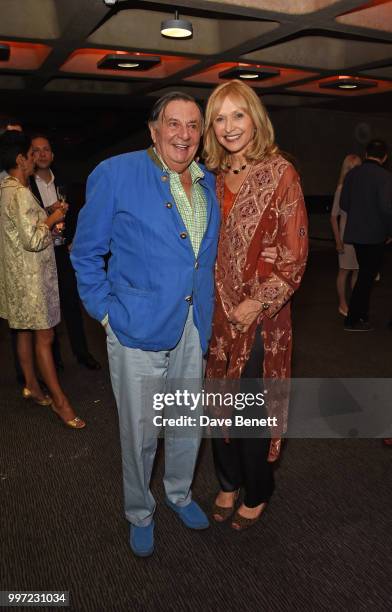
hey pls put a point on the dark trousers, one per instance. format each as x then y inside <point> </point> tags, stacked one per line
<point>369,258</point>
<point>242,462</point>
<point>70,304</point>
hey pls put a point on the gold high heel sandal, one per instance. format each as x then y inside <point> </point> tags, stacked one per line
<point>75,423</point>
<point>27,395</point>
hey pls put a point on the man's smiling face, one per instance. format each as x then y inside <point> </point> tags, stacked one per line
<point>176,134</point>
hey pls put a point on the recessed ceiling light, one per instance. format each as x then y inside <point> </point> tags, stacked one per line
<point>242,72</point>
<point>124,61</point>
<point>348,83</point>
<point>4,53</point>
<point>127,65</point>
<point>176,28</point>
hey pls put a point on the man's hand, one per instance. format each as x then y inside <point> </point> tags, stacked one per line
<point>269,254</point>
<point>246,312</point>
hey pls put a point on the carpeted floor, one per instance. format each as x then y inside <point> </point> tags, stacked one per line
<point>323,544</point>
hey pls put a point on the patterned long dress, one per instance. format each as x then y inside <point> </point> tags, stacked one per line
<point>29,295</point>
<point>268,210</point>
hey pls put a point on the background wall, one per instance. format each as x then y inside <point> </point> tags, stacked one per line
<point>318,139</point>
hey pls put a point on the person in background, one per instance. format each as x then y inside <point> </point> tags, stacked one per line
<point>262,205</point>
<point>366,198</point>
<point>348,265</point>
<point>46,189</point>
<point>12,124</point>
<point>29,297</point>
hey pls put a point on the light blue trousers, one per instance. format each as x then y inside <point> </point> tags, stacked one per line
<point>135,376</point>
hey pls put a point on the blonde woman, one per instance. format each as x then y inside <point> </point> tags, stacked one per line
<point>262,206</point>
<point>348,264</point>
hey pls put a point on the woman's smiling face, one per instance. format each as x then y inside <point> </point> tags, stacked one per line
<point>233,126</point>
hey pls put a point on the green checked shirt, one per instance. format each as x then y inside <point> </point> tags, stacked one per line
<point>194,215</point>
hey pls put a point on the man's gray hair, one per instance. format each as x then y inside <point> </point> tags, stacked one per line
<point>160,105</point>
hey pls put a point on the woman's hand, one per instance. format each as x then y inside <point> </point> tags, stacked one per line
<point>269,254</point>
<point>246,312</point>
<point>57,216</point>
<point>274,450</point>
<point>340,247</point>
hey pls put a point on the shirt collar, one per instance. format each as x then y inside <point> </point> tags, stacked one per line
<point>196,172</point>
<point>40,180</point>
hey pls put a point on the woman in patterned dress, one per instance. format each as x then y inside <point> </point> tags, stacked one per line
<point>348,264</point>
<point>262,206</point>
<point>29,297</point>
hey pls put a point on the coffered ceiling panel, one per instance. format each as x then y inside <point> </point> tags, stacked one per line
<point>29,17</point>
<point>85,61</point>
<point>376,15</point>
<point>210,34</point>
<point>25,56</point>
<point>324,52</point>
<point>293,7</point>
<point>377,87</point>
<point>287,75</point>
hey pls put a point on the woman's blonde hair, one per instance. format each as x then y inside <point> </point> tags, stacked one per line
<point>349,162</point>
<point>263,144</point>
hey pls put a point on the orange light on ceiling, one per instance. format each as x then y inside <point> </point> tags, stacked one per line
<point>25,56</point>
<point>84,61</point>
<point>314,87</point>
<point>287,75</point>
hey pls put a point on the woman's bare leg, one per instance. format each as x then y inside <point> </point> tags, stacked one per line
<point>341,282</point>
<point>24,346</point>
<point>43,351</point>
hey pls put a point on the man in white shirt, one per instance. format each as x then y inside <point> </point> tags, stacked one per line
<point>47,190</point>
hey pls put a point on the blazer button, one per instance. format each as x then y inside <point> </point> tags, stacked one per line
<point>169,205</point>
<point>183,235</point>
<point>189,299</point>
<point>164,178</point>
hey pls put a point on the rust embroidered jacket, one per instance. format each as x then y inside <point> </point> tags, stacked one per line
<point>268,210</point>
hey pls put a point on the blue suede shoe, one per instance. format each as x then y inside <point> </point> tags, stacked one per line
<point>141,540</point>
<point>191,515</point>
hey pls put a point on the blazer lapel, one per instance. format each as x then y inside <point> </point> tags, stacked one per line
<point>35,191</point>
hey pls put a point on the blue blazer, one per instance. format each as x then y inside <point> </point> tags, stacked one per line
<point>130,212</point>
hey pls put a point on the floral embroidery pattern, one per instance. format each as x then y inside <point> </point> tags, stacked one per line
<point>268,211</point>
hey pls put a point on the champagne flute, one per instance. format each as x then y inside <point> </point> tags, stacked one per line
<point>62,197</point>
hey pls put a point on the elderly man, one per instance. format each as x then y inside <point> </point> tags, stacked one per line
<point>155,211</point>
